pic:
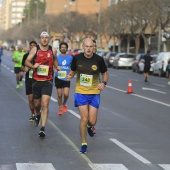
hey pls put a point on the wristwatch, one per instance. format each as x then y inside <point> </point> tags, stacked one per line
<point>104,82</point>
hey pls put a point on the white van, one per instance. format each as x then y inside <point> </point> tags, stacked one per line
<point>159,67</point>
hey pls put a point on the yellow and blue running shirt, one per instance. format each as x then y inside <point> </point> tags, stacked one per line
<point>88,72</point>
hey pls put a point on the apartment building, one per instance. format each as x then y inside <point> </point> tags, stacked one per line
<point>16,16</point>
<point>54,7</point>
<point>12,13</point>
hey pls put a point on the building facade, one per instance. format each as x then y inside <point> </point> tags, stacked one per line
<point>54,7</point>
<point>12,13</point>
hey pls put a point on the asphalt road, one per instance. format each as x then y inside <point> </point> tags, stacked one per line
<point>132,129</point>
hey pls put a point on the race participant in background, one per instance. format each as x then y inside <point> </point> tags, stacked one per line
<point>88,66</point>
<point>147,61</point>
<point>28,82</point>
<point>17,59</point>
<point>62,85</point>
<point>43,57</point>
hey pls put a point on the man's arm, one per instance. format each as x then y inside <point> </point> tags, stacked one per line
<point>13,58</point>
<point>55,58</point>
<point>105,77</point>
<point>70,75</point>
<point>30,58</point>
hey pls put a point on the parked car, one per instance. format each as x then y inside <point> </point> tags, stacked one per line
<point>102,53</point>
<point>135,65</point>
<point>160,66</point>
<point>109,58</point>
<point>141,64</point>
<point>123,60</point>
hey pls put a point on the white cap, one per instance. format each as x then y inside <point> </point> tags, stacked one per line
<point>44,34</point>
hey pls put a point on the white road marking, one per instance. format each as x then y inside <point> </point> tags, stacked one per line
<point>165,166</point>
<point>35,166</point>
<point>108,167</point>
<point>158,85</point>
<point>155,90</point>
<point>130,151</point>
<point>115,89</point>
<point>74,113</point>
<point>156,101</point>
<point>53,99</point>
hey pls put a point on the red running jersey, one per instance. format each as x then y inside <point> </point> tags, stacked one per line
<point>44,72</point>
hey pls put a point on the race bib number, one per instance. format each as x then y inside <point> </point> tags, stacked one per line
<point>86,80</point>
<point>43,70</point>
<point>62,74</point>
<point>30,74</point>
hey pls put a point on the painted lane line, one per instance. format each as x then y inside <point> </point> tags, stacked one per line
<point>165,166</point>
<point>158,85</point>
<point>130,151</point>
<point>155,90</point>
<point>53,99</point>
<point>35,166</point>
<point>108,167</point>
<point>155,101</point>
<point>74,113</point>
<point>116,89</point>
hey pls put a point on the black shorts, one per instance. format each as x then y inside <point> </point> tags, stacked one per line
<point>61,83</point>
<point>28,86</point>
<point>17,70</point>
<point>40,88</point>
<point>146,69</point>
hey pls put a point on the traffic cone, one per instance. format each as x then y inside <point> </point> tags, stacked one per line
<point>129,90</point>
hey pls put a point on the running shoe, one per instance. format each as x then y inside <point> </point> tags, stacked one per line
<point>32,118</point>
<point>42,133</point>
<point>65,109</point>
<point>21,83</point>
<point>37,120</point>
<point>17,87</point>
<point>90,131</point>
<point>93,129</point>
<point>83,149</point>
<point>60,112</point>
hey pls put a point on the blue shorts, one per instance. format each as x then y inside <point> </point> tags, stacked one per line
<point>85,99</point>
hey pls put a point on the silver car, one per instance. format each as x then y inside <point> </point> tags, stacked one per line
<point>123,60</point>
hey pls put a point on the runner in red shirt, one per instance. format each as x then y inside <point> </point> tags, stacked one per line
<point>43,57</point>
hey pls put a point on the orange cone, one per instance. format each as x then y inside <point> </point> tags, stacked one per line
<point>129,90</point>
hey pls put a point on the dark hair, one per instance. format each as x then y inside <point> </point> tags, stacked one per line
<point>33,42</point>
<point>148,51</point>
<point>63,43</point>
<point>94,41</point>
